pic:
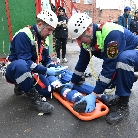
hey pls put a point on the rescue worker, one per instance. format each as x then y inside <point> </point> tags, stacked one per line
<point>134,24</point>
<point>125,19</point>
<point>115,45</point>
<point>27,50</point>
<point>61,35</point>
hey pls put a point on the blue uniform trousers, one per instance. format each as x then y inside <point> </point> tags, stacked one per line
<point>127,63</point>
<point>18,72</point>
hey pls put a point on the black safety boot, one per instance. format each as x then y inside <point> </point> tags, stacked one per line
<point>120,112</point>
<point>135,77</point>
<point>82,80</point>
<point>17,90</point>
<point>39,103</point>
<point>80,107</point>
<point>109,100</point>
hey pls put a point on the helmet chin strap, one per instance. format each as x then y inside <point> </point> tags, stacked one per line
<point>87,36</point>
<point>40,29</point>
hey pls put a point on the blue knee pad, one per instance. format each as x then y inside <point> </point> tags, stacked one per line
<point>66,76</point>
<point>84,88</point>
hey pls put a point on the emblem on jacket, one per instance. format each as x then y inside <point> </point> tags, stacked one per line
<point>112,49</point>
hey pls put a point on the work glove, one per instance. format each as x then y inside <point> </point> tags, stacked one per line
<point>91,102</point>
<point>52,71</point>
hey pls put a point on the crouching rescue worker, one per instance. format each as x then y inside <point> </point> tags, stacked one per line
<point>115,45</point>
<point>27,51</point>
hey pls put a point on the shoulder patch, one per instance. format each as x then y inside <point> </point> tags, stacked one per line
<point>112,49</point>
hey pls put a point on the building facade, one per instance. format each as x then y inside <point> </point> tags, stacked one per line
<point>98,15</point>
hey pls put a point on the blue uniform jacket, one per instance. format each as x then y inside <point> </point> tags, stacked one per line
<point>21,48</point>
<point>126,41</point>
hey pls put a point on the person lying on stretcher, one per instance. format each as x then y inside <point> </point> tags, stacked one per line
<point>72,93</point>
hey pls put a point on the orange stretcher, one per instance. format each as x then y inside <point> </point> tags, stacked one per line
<point>100,109</point>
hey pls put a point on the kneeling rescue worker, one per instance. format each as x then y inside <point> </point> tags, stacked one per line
<point>27,50</point>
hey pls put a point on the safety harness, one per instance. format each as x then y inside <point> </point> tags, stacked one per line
<point>31,33</point>
<point>39,56</point>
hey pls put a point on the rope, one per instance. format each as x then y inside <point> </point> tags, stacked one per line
<point>95,76</point>
<point>36,45</point>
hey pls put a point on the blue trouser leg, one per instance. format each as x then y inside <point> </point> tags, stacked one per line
<point>64,42</point>
<point>127,63</point>
<point>18,72</point>
<point>54,81</point>
<point>70,95</point>
<point>58,47</point>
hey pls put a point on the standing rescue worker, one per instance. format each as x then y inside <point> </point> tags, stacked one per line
<point>115,45</point>
<point>61,35</point>
<point>134,24</point>
<point>27,51</point>
<point>125,19</point>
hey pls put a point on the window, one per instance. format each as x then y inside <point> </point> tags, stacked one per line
<point>77,1</point>
<point>89,12</point>
<point>87,1</point>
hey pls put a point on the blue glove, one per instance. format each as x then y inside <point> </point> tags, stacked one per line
<point>52,71</point>
<point>90,100</point>
<point>69,85</point>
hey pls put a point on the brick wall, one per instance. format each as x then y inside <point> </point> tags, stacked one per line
<point>102,15</point>
<point>98,15</point>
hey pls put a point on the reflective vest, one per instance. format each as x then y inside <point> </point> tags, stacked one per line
<point>32,36</point>
<point>105,29</point>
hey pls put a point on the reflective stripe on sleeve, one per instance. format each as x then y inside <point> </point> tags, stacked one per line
<point>119,65</point>
<point>51,63</point>
<point>104,79</point>
<point>33,66</point>
<point>124,66</point>
<point>47,65</point>
<point>23,77</point>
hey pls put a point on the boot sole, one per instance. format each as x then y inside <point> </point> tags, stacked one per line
<point>113,122</point>
<point>80,107</point>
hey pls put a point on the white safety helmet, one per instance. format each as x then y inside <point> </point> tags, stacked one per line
<point>78,23</point>
<point>49,17</point>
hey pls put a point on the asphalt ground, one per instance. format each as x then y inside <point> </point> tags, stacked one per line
<point>19,120</point>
